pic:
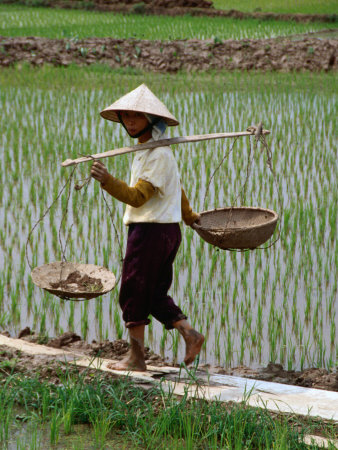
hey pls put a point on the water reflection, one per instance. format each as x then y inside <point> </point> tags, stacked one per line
<point>278,304</point>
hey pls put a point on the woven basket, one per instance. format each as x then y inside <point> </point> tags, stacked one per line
<point>44,276</point>
<point>237,227</point>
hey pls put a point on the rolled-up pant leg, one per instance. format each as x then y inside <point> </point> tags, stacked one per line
<point>147,274</point>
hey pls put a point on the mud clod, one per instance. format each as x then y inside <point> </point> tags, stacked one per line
<point>76,282</point>
<point>25,332</point>
<point>48,367</point>
<point>118,349</point>
<point>66,339</point>
<point>282,54</point>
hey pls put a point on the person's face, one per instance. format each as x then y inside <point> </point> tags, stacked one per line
<point>134,121</point>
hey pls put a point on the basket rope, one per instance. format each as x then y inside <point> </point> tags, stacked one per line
<point>268,151</point>
<point>259,137</point>
<point>86,183</point>
<point>217,168</point>
<point>63,246</point>
<point>45,213</point>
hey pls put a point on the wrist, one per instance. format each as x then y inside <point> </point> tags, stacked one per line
<point>105,178</point>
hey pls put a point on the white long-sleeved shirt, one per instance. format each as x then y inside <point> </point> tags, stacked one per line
<point>159,167</point>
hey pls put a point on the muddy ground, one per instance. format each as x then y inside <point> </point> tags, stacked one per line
<point>175,8</point>
<point>76,282</point>
<point>47,367</point>
<point>281,54</point>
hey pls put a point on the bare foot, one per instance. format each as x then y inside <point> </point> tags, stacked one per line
<point>129,363</point>
<point>194,342</point>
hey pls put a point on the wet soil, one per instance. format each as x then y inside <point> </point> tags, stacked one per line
<point>47,367</point>
<point>76,282</point>
<point>175,8</point>
<point>317,378</point>
<point>280,54</point>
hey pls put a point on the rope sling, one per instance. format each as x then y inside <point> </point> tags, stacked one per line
<point>246,227</point>
<point>240,229</point>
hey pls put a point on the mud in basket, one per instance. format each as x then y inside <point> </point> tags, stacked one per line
<point>74,281</point>
<point>237,227</point>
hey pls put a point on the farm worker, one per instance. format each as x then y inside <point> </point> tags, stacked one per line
<point>156,203</point>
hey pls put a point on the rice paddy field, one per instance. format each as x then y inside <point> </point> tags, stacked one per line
<point>77,24</point>
<point>277,305</point>
<point>276,6</point>
<point>83,412</point>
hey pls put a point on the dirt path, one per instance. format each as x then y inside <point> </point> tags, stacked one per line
<point>47,366</point>
<point>177,8</point>
<point>307,54</point>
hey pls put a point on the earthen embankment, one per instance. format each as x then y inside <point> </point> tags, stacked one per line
<point>307,54</point>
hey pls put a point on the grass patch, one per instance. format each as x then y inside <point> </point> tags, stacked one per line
<point>77,24</point>
<point>102,76</point>
<point>286,6</point>
<point>117,410</point>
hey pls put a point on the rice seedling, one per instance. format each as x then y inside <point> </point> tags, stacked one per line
<point>84,320</point>
<point>232,297</point>
<point>118,325</point>
<point>116,413</point>
<point>71,316</point>
<point>288,6</point>
<point>74,25</point>
<point>7,400</point>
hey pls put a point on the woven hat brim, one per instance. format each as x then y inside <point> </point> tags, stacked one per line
<point>110,114</point>
<point>140,100</point>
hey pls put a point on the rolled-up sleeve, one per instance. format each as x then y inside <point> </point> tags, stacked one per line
<point>135,196</point>
<point>188,215</point>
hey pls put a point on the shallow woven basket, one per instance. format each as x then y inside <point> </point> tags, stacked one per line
<point>44,275</point>
<point>237,227</point>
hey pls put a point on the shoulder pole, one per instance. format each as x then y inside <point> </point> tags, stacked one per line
<point>162,143</point>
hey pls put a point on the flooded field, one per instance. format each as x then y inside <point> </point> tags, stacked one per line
<point>276,305</point>
<point>19,20</point>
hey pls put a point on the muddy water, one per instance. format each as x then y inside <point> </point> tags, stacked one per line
<point>275,305</point>
<point>37,435</point>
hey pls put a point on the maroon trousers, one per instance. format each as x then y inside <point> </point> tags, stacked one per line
<point>147,274</point>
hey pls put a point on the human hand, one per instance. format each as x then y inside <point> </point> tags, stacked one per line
<point>99,172</point>
<point>197,220</point>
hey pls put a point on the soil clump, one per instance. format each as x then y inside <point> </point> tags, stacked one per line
<point>47,366</point>
<point>76,282</point>
<point>176,8</point>
<point>281,54</point>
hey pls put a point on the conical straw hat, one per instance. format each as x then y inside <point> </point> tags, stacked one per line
<point>142,100</point>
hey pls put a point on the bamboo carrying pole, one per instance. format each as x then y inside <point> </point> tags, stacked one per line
<point>162,143</point>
